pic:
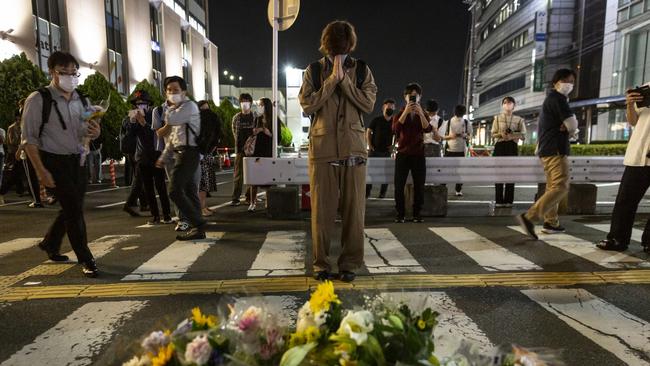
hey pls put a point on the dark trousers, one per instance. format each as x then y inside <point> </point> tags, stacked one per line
<point>505,148</point>
<point>452,154</point>
<point>137,191</point>
<point>634,184</point>
<point>384,187</point>
<point>70,180</point>
<point>155,177</point>
<point>13,175</point>
<point>32,180</point>
<point>417,165</point>
<point>184,191</point>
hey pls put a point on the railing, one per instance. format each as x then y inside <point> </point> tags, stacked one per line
<point>483,170</point>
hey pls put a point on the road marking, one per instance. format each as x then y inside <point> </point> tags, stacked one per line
<point>615,330</point>
<point>108,190</point>
<point>485,253</point>
<point>75,340</point>
<point>383,253</point>
<point>453,324</point>
<point>587,250</point>
<point>282,254</point>
<point>15,203</point>
<point>149,226</point>
<point>111,204</point>
<point>102,246</point>
<point>174,261</point>
<point>18,244</point>
<point>228,203</point>
<point>636,233</point>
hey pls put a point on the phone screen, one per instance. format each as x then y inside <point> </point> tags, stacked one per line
<point>412,98</point>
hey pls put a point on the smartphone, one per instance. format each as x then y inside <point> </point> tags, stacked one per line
<point>645,92</point>
<point>413,99</point>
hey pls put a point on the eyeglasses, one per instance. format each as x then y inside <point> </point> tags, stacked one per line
<point>63,73</point>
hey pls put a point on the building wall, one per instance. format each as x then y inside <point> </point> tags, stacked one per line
<point>198,65</point>
<point>172,41</point>
<point>22,39</point>
<point>87,35</point>
<point>139,41</point>
<point>214,73</point>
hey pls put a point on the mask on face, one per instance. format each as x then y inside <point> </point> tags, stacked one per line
<point>389,111</point>
<point>246,106</point>
<point>508,107</point>
<point>260,109</point>
<point>68,83</point>
<point>143,107</point>
<point>565,88</point>
<point>175,98</point>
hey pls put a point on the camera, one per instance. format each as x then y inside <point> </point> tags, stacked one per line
<point>645,93</point>
<point>508,131</point>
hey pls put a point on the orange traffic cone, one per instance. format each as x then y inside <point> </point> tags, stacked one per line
<point>113,178</point>
<point>226,159</point>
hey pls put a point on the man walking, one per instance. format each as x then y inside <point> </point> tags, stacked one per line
<point>337,90</point>
<point>242,128</point>
<point>556,124</point>
<point>379,136</point>
<point>53,148</point>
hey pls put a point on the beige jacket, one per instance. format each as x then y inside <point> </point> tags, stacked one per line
<point>337,131</point>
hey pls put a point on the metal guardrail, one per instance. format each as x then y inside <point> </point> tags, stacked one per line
<point>483,170</point>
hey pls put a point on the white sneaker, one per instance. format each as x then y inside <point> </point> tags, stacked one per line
<point>182,226</point>
<point>251,208</point>
<point>459,194</point>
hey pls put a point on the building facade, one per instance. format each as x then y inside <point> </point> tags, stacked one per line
<point>125,40</point>
<point>516,47</point>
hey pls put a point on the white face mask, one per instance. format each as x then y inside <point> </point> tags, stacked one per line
<point>260,109</point>
<point>175,98</point>
<point>565,88</point>
<point>246,106</point>
<point>68,83</point>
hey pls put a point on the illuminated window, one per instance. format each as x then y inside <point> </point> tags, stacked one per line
<point>156,59</point>
<point>47,29</point>
<point>185,47</point>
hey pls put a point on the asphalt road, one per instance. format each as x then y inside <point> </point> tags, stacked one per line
<point>490,284</point>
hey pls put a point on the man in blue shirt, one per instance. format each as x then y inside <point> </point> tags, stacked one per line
<point>557,123</point>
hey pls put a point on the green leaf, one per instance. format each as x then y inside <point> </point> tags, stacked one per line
<point>294,356</point>
<point>396,322</point>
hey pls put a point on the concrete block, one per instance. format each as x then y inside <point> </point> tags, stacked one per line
<point>435,201</point>
<point>283,203</point>
<point>580,201</point>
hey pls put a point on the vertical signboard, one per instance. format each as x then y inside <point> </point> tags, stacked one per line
<point>541,24</point>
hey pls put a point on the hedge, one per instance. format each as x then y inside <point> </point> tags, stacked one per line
<point>583,150</point>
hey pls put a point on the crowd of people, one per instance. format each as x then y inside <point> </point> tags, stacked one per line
<point>176,142</point>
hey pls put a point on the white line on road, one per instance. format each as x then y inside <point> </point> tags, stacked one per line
<point>615,330</point>
<point>75,340</point>
<point>111,204</point>
<point>15,245</point>
<point>636,233</point>
<point>383,253</point>
<point>282,254</point>
<point>228,203</point>
<point>453,324</point>
<point>587,250</point>
<point>174,261</point>
<point>101,246</point>
<point>486,253</point>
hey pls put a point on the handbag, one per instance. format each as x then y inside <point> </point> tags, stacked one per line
<point>249,145</point>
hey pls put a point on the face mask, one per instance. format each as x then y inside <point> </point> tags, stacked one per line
<point>246,106</point>
<point>175,98</point>
<point>260,109</point>
<point>143,107</point>
<point>389,111</point>
<point>565,88</point>
<point>508,107</point>
<point>68,83</point>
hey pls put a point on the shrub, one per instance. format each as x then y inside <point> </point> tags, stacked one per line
<point>584,150</point>
<point>153,91</point>
<point>19,77</point>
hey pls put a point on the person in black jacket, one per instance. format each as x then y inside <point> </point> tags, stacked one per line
<point>146,157</point>
<point>209,163</point>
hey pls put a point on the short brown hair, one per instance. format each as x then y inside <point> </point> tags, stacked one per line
<point>338,37</point>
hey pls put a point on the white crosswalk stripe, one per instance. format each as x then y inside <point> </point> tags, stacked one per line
<point>384,253</point>
<point>18,244</point>
<point>636,233</point>
<point>617,331</point>
<point>102,246</point>
<point>587,250</point>
<point>174,261</point>
<point>282,254</point>
<point>486,253</point>
<point>80,336</point>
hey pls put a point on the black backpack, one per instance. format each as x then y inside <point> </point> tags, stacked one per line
<point>128,140</point>
<point>49,102</point>
<point>210,134</point>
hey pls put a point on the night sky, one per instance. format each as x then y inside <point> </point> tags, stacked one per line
<point>402,41</point>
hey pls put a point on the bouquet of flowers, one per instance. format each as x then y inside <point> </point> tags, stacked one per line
<point>92,112</point>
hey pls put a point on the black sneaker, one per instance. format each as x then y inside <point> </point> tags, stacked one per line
<point>417,219</point>
<point>192,234</point>
<point>323,275</point>
<point>235,203</point>
<point>89,269</point>
<point>54,256</point>
<point>528,226</point>
<point>399,219</point>
<point>611,244</point>
<point>167,220</point>
<point>144,208</point>
<point>382,195</point>
<point>130,211</point>
<point>347,276</point>
<point>550,229</point>
<point>155,221</point>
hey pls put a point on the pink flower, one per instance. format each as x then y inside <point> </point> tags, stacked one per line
<point>198,351</point>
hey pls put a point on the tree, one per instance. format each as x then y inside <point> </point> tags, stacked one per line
<point>226,111</point>
<point>153,91</point>
<point>19,77</point>
<point>97,88</point>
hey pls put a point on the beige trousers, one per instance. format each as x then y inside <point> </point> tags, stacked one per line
<point>556,169</point>
<point>332,186</point>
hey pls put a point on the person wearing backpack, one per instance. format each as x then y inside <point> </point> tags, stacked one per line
<point>337,90</point>
<point>183,124</point>
<point>458,134</point>
<point>53,145</point>
<point>128,146</point>
<point>379,136</point>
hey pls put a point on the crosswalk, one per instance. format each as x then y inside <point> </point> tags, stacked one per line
<point>606,334</point>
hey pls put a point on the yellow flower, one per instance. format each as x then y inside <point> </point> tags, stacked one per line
<point>164,355</point>
<point>322,298</point>
<point>201,320</point>
<point>312,334</point>
<point>421,324</point>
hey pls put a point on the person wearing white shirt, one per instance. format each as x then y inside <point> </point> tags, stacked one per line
<point>183,124</point>
<point>507,131</point>
<point>457,133</point>
<point>431,141</point>
<point>635,180</point>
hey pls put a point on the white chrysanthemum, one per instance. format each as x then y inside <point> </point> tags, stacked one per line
<point>357,325</point>
<point>138,361</point>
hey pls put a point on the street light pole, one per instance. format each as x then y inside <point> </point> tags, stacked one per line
<point>276,27</point>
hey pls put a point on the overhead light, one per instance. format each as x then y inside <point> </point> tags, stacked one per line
<point>225,72</point>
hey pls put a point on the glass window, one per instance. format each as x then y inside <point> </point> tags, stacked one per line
<point>636,9</point>
<point>622,15</point>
